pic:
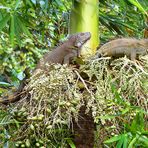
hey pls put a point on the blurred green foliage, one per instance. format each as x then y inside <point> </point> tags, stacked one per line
<point>29,28</point>
<point>134,134</point>
<point>123,18</point>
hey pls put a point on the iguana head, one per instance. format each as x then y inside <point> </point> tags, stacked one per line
<point>80,38</point>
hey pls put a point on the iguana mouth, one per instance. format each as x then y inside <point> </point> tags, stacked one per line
<point>83,38</point>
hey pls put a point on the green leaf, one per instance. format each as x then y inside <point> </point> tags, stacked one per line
<point>144,140</point>
<point>132,142</point>
<point>59,2</point>
<point>20,75</point>
<point>113,139</point>
<point>122,3</point>
<point>46,4</point>
<point>125,110</point>
<point>138,5</point>
<point>145,133</point>
<point>138,123</point>
<point>12,30</point>
<point>4,21</point>
<point>17,123</point>
<point>118,97</point>
<point>17,4</point>
<point>17,31</point>
<point>29,2</point>
<point>23,27</point>
<point>5,84</point>
<point>70,142</point>
<point>125,141</point>
<point>120,142</point>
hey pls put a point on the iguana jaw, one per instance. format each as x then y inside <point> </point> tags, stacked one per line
<point>82,38</point>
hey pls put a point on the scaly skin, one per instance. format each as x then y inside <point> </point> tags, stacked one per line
<point>65,52</point>
<point>130,47</point>
<point>62,54</point>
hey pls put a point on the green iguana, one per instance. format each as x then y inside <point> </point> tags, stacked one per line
<point>130,47</point>
<point>62,54</point>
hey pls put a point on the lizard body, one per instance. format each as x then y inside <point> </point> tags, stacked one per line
<point>66,51</point>
<point>130,47</point>
<point>62,54</point>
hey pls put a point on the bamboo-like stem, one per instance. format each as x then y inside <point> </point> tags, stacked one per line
<point>83,18</point>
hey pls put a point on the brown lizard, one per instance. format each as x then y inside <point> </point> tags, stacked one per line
<point>65,52</point>
<point>130,47</point>
<point>62,54</point>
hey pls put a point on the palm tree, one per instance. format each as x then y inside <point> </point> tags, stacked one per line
<point>84,17</point>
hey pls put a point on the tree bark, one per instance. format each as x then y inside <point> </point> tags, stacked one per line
<point>84,130</point>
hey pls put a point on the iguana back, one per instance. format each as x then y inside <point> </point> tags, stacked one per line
<point>66,51</point>
<point>125,46</point>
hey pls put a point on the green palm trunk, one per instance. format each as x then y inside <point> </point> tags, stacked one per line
<point>84,17</point>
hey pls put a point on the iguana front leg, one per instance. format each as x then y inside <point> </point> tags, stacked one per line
<point>133,55</point>
<point>68,57</point>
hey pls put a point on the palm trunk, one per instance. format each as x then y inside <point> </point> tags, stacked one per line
<point>84,17</point>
